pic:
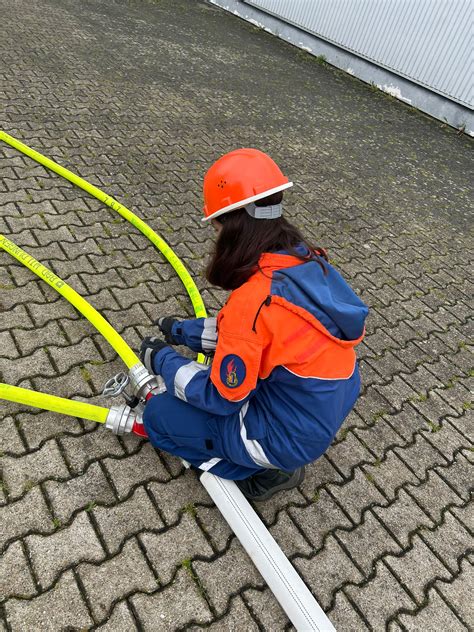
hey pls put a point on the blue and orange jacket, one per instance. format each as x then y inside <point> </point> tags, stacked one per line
<point>284,358</point>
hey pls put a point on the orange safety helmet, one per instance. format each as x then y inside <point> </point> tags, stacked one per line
<point>239,178</point>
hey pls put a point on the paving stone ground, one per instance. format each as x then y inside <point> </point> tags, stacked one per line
<point>100,532</point>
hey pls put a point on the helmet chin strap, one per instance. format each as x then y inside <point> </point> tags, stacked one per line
<point>264,212</point>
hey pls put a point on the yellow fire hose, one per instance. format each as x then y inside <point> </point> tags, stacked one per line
<point>55,404</point>
<point>156,240</point>
<point>92,315</point>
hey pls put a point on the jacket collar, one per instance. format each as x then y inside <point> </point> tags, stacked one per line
<point>276,260</point>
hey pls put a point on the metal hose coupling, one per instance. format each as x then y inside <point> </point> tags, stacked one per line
<point>144,384</point>
<point>121,419</point>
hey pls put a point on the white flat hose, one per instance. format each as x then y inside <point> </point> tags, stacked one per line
<point>281,577</point>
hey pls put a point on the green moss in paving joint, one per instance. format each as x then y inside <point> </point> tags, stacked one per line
<point>97,362</point>
<point>90,506</point>
<point>6,286</point>
<point>187,565</point>
<point>3,487</point>
<point>106,230</point>
<point>315,497</point>
<point>190,509</point>
<point>434,427</point>
<point>102,249</point>
<point>467,405</point>
<point>342,434</point>
<point>450,383</point>
<point>369,477</point>
<point>420,397</point>
<point>57,523</point>
<point>28,484</point>
<point>86,375</point>
<point>378,415</point>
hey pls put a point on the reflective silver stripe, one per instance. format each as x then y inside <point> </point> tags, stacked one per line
<point>255,450</point>
<point>184,375</point>
<point>208,464</point>
<point>209,334</point>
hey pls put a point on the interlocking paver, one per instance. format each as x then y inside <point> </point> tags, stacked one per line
<point>15,575</point>
<point>10,439</point>
<point>367,542</point>
<point>183,542</point>
<point>389,475</point>
<point>380,598</point>
<point>215,527</point>
<point>288,538</point>
<point>459,476</point>
<point>88,447</point>
<point>120,521</point>
<point>450,540</point>
<point>344,616</point>
<point>267,611</point>
<point>173,496</point>
<point>63,549</point>
<point>116,578</point>
<point>402,517</point>
<point>121,620</point>
<point>23,516</point>
<point>238,618</point>
<point>417,567</point>
<point>227,575</point>
<point>20,475</point>
<point>38,427</point>
<point>330,568</point>
<point>346,454</point>
<point>60,608</point>
<point>179,603</point>
<point>437,615</point>
<point>357,495</point>
<point>137,468</point>
<point>144,123</point>
<point>434,494</point>
<point>319,518</point>
<point>455,593</point>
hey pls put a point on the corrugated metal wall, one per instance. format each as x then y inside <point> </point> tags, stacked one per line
<point>429,42</point>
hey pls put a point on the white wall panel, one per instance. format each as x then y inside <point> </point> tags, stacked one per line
<point>429,42</point>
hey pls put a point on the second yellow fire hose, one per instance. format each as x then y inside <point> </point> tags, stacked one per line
<point>105,328</point>
<point>156,240</point>
<point>118,418</point>
<point>55,404</point>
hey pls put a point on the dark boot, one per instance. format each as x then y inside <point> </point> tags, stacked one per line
<point>265,484</point>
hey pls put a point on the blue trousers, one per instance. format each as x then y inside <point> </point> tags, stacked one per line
<point>198,437</point>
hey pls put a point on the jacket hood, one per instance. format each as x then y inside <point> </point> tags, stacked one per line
<point>327,297</point>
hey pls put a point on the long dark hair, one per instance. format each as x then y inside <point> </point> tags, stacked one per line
<point>243,239</point>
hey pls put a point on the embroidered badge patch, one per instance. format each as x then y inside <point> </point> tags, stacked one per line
<point>232,371</point>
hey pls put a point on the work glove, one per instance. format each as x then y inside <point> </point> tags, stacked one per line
<point>166,324</point>
<point>148,349</point>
